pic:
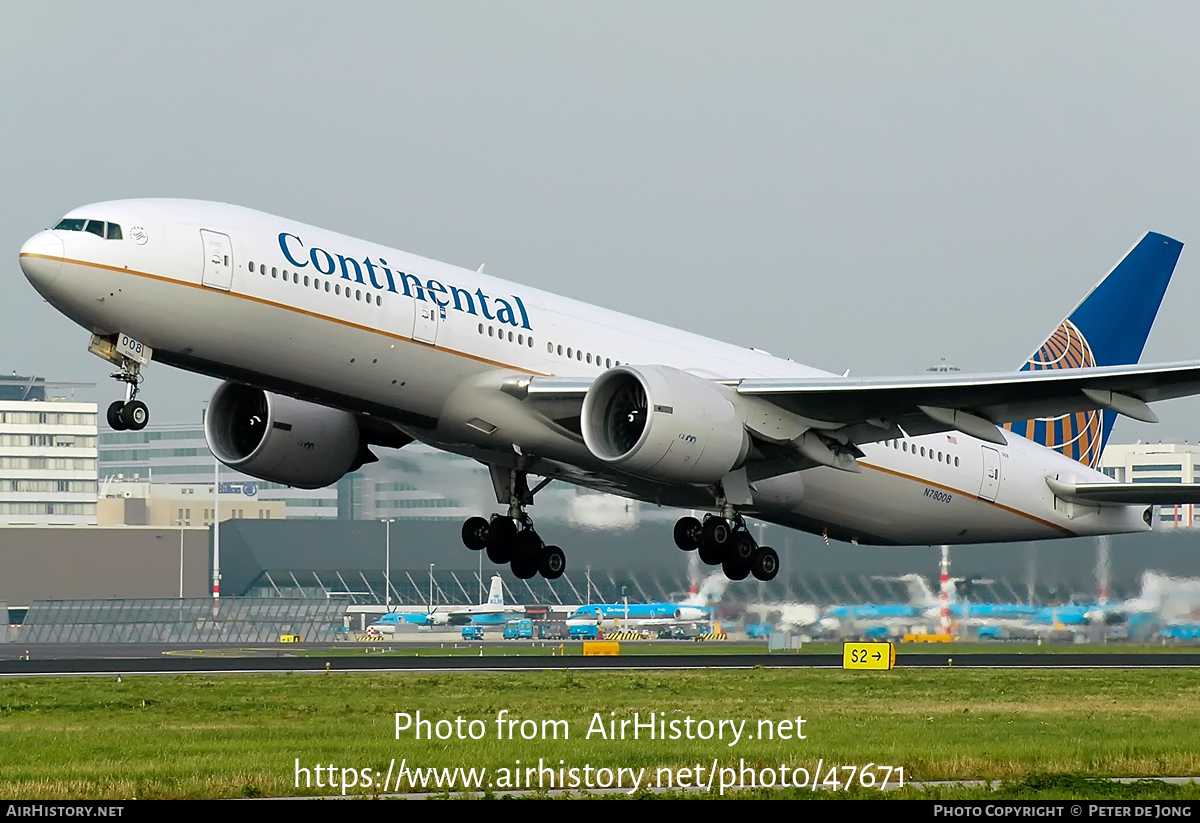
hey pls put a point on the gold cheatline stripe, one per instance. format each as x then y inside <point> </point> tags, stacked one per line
<point>347,323</point>
<point>924,482</point>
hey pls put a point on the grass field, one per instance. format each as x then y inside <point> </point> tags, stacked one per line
<point>1047,732</point>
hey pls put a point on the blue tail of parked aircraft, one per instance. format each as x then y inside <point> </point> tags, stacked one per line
<point>1108,328</point>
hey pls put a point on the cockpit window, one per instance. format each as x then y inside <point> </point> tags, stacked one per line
<point>110,231</point>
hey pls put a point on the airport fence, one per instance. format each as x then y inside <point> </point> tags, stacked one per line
<point>190,620</point>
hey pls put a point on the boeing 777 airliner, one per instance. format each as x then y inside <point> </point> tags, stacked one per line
<point>330,345</point>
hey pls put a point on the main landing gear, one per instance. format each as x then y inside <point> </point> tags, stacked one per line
<point>129,413</point>
<point>511,538</point>
<point>726,542</point>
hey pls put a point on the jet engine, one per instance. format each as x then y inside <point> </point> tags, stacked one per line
<point>692,613</point>
<point>663,423</point>
<point>281,439</point>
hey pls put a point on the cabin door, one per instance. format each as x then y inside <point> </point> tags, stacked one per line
<point>218,260</point>
<point>991,474</point>
<point>429,317</point>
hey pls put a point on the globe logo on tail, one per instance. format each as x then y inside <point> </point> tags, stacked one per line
<point>1078,435</point>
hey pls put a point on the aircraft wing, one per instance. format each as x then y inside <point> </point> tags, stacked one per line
<point>868,410</point>
<point>974,404</point>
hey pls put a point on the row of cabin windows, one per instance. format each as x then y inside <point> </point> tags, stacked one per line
<point>109,231</point>
<point>578,354</point>
<point>336,288</point>
<point>569,352</point>
<point>902,445</point>
<point>519,338</point>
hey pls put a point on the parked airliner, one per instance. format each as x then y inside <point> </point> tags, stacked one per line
<point>330,345</point>
<point>701,605</point>
<point>492,611</point>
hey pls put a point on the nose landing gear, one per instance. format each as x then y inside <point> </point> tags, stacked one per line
<point>129,413</point>
<point>128,355</point>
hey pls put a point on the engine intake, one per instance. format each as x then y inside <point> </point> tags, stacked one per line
<point>280,439</point>
<point>663,423</point>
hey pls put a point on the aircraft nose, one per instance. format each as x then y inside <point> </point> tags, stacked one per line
<point>41,258</point>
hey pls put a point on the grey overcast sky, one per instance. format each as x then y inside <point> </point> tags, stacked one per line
<point>864,186</point>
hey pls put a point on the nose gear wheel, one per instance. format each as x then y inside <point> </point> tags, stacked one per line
<point>130,414</point>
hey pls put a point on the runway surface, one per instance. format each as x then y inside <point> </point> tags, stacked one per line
<point>161,659</point>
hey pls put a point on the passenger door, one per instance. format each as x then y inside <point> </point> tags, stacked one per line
<point>218,260</point>
<point>991,474</point>
<point>429,317</point>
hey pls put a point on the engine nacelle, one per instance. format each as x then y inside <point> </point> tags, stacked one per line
<point>663,423</point>
<point>280,439</point>
<point>692,614</point>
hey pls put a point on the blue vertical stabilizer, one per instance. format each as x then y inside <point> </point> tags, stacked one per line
<point>1108,328</point>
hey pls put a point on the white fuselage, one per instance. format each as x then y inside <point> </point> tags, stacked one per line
<point>423,345</point>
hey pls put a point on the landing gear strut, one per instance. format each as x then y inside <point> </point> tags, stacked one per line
<point>130,413</point>
<point>511,538</point>
<point>727,542</point>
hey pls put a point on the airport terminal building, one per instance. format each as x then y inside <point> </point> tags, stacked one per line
<point>48,456</point>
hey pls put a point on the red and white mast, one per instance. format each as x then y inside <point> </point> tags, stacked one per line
<point>944,595</point>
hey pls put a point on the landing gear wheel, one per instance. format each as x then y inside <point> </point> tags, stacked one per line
<point>502,535</point>
<point>735,570</point>
<point>114,416</point>
<point>765,564</point>
<point>714,536</point>
<point>552,563</point>
<point>689,534</point>
<point>711,556</point>
<point>523,569</point>
<point>135,415</point>
<point>527,548</point>
<point>716,531</point>
<point>741,548</point>
<point>130,413</point>
<point>475,534</point>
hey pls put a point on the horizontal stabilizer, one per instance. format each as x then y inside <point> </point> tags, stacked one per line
<point>1126,494</point>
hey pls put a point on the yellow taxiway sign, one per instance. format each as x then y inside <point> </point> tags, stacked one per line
<point>868,656</point>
